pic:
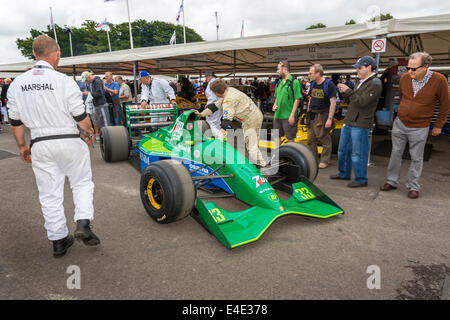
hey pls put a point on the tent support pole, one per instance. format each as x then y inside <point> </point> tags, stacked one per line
<point>234,66</point>
<point>135,68</point>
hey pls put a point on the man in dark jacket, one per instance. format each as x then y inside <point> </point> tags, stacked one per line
<point>100,117</point>
<point>354,142</point>
<point>4,98</point>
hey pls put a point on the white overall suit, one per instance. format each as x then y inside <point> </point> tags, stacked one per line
<point>47,101</point>
<point>213,120</point>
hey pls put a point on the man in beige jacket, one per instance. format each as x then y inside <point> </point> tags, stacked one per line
<point>237,105</point>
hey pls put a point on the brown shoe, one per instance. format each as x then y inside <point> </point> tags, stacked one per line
<point>355,184</point>
<point>387,187</point>
<point>338,177</point>
<point>413,194</point>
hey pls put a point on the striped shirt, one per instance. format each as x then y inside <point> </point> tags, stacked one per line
<point>418,85</point>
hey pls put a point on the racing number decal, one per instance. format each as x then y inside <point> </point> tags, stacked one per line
<point>217,216</point>
<point>305,194</point>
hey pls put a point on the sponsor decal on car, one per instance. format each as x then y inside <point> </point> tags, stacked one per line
<point>259,180</point>
<point>202,171</point>
<point>144,158</point>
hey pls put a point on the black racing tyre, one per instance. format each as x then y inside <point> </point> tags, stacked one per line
<point>167,191</point>
<point>115,143</point>
<point>301,156</point>
<point>335,137</point>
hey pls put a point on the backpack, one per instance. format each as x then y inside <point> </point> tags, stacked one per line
<point>291,85</point>
<point>325,87</point>
<point>108,97</point>
<point>325,91</point>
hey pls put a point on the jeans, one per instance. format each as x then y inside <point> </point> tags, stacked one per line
<point>115,120</point>
<point>353,152</point>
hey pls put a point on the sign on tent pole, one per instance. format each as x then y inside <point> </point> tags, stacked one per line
<point>379,45</point>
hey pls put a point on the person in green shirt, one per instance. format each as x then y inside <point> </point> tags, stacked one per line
<point>287,98</point>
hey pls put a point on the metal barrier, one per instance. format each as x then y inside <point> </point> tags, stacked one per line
<point>151,116</point>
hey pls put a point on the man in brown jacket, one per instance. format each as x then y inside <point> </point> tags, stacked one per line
<point>419,90</point>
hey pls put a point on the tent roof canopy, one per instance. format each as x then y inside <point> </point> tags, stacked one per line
<point>333,47</point>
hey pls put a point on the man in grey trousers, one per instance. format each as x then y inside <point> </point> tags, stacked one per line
<point>419,90</point>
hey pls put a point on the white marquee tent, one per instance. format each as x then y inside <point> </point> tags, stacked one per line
<point>334,47</point>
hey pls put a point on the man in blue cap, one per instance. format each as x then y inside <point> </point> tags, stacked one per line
<point>354,142</point>
<point>154,90</point>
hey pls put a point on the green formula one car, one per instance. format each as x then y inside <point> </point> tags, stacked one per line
<point>179,160</point>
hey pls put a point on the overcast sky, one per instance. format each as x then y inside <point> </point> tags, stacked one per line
<point>260,16</point>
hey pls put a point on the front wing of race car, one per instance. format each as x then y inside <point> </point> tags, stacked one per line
<point>234,229</point>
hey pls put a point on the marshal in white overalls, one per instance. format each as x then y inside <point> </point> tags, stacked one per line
<point>46,102</point>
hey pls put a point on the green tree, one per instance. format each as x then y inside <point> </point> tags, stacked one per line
<point>316,26</point>
<point>350,22</point>
<point>86,40</point>
<point>382,17</point>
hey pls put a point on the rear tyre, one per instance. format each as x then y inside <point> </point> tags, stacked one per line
<point>303,162</point>
<point>114,143</point>
<point>167,191</point>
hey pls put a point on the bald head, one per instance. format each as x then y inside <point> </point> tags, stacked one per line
<point>109,77</point>
<point>44,46</point>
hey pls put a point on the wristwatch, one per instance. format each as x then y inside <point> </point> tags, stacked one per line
<point>330,118</point>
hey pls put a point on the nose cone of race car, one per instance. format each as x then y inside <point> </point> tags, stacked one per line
<point>252,187</point>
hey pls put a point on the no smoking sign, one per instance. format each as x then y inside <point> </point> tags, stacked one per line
<point>379,45</point>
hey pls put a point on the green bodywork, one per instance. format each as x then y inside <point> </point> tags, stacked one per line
<point>234,229</point>
<point>239,177</point>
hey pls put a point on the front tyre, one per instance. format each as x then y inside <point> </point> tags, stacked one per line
<point>301,162</point>
<point>167,191</point>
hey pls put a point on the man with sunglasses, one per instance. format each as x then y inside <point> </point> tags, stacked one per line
<point>419,91</point>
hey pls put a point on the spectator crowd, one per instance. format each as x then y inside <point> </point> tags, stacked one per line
<point>288,97</point>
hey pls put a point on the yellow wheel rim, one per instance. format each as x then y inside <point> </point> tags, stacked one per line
<point>150,191</point>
